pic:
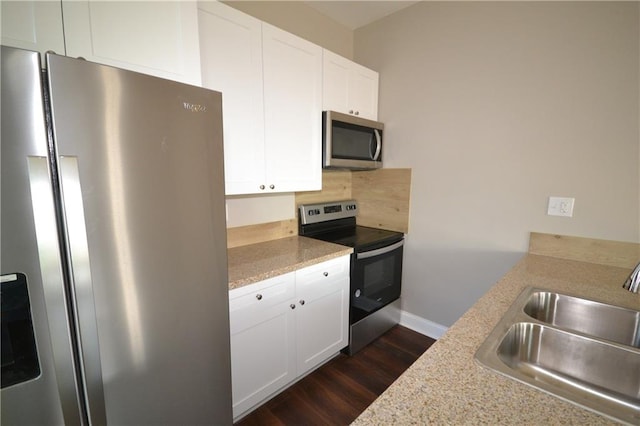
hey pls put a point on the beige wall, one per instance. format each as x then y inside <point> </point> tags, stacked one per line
<point>496,107</point>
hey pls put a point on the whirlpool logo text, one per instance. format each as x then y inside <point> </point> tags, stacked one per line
<point>194,107</point>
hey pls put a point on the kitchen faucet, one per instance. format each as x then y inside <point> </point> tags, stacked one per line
<point>633,282</point>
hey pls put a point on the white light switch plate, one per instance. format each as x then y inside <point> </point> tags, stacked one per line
<point>560,206</point>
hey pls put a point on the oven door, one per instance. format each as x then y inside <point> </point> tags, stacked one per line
<point>375,279</point>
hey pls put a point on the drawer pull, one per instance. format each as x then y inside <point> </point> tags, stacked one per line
<point>302,301</point>
<point>326,274</point>
<point>259,296</point>
<point>292,306</point>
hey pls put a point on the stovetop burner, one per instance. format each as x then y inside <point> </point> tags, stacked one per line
<point>335,222</point>
<point>360,237</point>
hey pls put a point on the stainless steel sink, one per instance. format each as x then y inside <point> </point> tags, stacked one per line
<point>586,316</point>
<point>550,341</point>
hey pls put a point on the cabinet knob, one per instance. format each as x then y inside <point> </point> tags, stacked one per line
<point>272,186</point>
<point>350,111</point>
<point>261,186</point>
<point>292,306</point>
<point>259,296</point>
<point>302,301</point>
<point>357,112</point>
<point>326,274</point>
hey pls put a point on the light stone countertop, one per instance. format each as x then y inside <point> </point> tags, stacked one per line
<point>447,386</point>
<point>256,262</point>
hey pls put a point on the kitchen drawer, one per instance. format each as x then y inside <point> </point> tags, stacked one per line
<point>322,277</point>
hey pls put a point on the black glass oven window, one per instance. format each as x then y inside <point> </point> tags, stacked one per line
<point>379,276</point>
<point>19,354</point>
<point>352,142</point>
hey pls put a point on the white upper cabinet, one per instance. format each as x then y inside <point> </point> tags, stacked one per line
<point>231,55</point>
<point>153,37</point>
<point>348,87</point>
<point>271,84</point>
<point>293,111</point>
<point>32,25</point>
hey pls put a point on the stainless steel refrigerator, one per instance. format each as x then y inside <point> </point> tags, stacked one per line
<point>113,258</point>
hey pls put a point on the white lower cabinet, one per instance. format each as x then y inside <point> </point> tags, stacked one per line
<point>262,343</point>
<point>283,327</point>
<point>322,315</point>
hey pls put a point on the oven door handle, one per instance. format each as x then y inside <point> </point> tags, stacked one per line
<point>378,252</point>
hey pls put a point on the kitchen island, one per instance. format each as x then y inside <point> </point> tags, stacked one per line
<point>446,385</point>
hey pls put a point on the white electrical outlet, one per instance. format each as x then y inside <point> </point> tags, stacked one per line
<point>560,206</point>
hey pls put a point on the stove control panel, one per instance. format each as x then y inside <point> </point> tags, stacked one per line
<point>315,213</point>
<point>333,208</point>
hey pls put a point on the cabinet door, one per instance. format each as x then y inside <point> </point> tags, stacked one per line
<point>231,55</point>
<point>363,91</point>
<point>335,82</point>
<point>262,340</point>
<point>322,314</point>
<point>32,25</point>
<point>293,111</point>
<point>152,37</point>
<point>349,87</point>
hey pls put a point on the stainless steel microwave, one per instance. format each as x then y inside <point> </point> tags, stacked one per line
<point>350,142</point>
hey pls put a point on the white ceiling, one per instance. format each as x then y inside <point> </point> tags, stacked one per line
<point>355,14</point>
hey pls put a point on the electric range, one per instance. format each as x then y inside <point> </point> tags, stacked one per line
<point>376,266</point>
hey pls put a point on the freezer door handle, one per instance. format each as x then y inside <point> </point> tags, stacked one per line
<point>81,287</point>
<point>50,261</point>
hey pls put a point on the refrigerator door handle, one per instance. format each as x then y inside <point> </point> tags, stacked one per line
<point>81,288</point>
<point>50,261</point>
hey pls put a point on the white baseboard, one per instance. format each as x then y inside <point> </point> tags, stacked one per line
<point>421,325</point>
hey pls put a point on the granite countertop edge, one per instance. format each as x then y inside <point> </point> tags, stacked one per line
<point>446,385</point>
<point>256,262</point>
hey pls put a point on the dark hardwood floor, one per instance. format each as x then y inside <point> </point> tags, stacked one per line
<point>337,392</point>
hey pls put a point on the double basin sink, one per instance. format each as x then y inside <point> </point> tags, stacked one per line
<point>580,350</point>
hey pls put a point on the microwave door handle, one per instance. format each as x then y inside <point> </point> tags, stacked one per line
<point>379,145</point>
